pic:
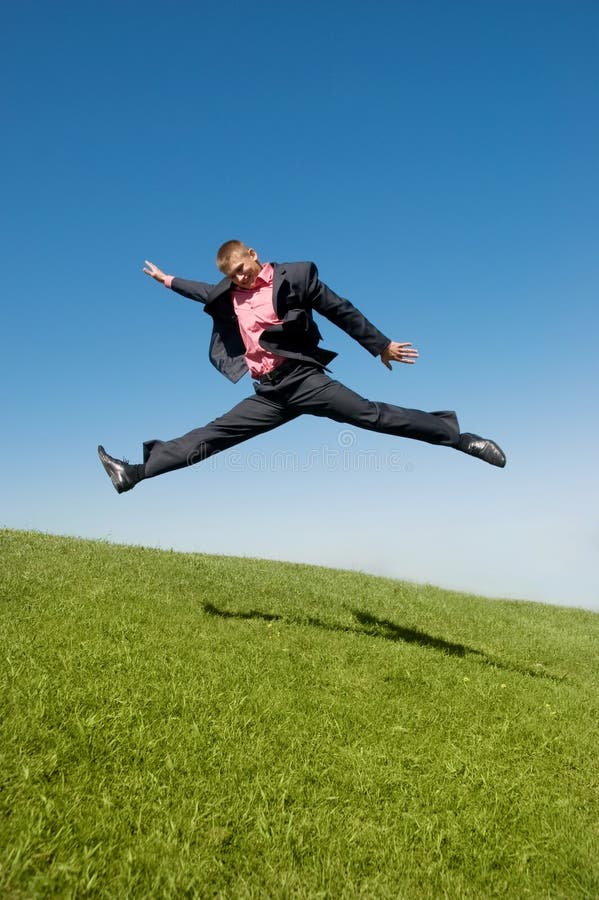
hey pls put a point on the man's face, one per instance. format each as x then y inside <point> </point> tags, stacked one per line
<point>243,268</point>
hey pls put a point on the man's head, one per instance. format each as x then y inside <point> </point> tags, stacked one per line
<point>239,263</point>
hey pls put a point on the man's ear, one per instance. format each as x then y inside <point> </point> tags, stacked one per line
<point>252,253</point>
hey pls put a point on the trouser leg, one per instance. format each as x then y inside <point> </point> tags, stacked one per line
<point>251,417</point>
<point>320,395</point>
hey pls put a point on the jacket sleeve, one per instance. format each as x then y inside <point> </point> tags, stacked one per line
<point>343,314</point>
<point>195,290</point>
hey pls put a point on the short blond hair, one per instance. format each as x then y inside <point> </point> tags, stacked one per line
<point>226,251</point>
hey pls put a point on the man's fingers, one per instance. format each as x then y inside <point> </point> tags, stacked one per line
<point>153,271</point>
<point>397,350</point>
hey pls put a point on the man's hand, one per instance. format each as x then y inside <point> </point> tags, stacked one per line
<point>403,353</point>
<point>154,272</point>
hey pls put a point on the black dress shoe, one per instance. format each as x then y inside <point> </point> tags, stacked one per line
<point>483,448</point>
<point>121,473</point>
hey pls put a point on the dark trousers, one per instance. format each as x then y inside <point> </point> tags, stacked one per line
<point>304,389</point>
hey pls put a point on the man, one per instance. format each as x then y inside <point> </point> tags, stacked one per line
<point>263,323</point>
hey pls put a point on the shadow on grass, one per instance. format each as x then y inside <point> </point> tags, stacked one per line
<point>390,631</point>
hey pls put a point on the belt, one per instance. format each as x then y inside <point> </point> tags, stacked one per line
<point>275,375</point>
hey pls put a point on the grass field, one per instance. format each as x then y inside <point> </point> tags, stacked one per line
<point>181,725</point>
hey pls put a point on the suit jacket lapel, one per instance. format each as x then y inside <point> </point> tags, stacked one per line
<point>219,303</point>
<point>223,287</point>
<point>277,299</point>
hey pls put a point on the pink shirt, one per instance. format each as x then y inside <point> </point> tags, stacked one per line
<point>255,312</point>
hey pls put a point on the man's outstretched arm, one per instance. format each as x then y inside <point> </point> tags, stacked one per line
<point>195,290</point>
<point>347,317</point>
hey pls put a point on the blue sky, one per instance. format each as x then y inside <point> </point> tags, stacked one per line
<point>438,161</point>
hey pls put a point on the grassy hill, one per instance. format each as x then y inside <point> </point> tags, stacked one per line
<point>183,725</point>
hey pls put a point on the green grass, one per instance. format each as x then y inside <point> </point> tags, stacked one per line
<point>182,725</point>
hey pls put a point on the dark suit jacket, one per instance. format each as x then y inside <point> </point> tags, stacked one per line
<point>297,291</point>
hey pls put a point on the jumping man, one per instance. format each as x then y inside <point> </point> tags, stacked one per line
<point>262,315</point>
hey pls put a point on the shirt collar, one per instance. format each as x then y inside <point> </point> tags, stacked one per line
<point>265,275</point>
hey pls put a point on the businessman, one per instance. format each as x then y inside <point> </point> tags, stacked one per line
<point>262,322</point>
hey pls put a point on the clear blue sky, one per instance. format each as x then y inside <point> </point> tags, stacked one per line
<point>439,162</point>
